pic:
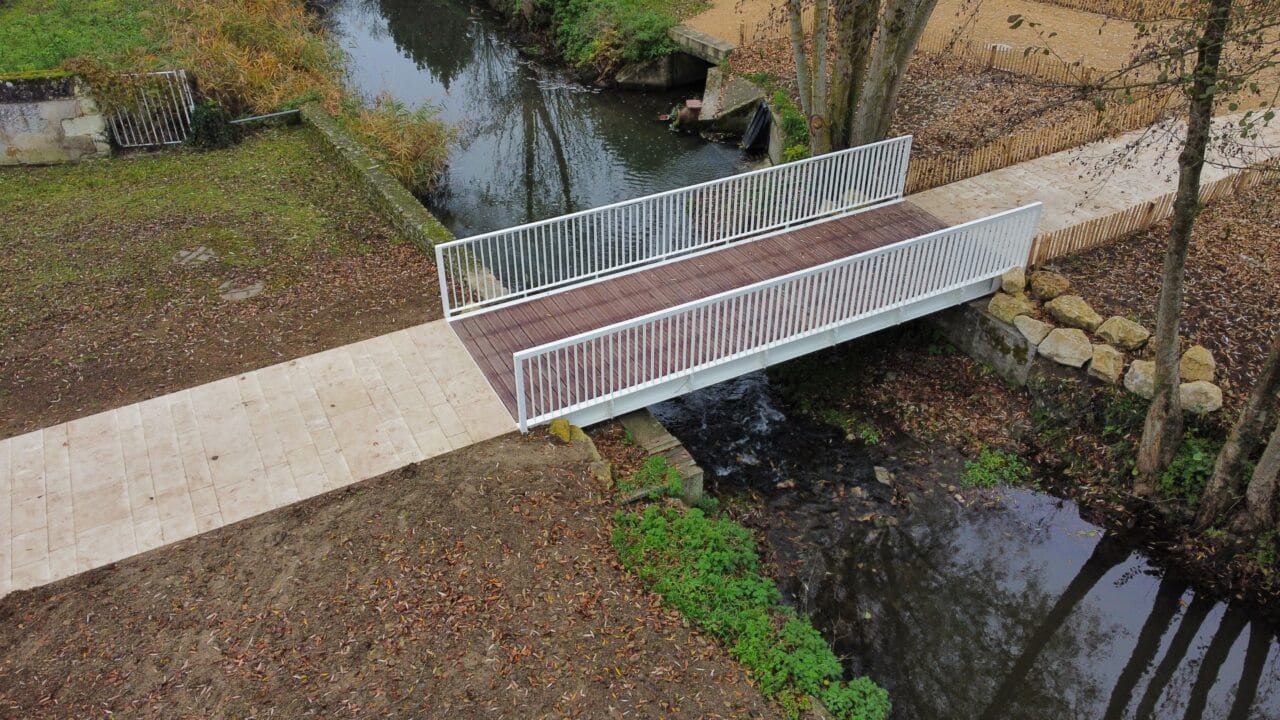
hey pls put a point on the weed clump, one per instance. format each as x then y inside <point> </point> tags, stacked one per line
<point>995,467</point>
<point>709,569</point>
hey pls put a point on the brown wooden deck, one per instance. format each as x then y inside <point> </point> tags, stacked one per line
<point>494,336</point>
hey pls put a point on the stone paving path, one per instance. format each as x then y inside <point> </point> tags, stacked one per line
<point>99,489</point>
<point>1091,181</point>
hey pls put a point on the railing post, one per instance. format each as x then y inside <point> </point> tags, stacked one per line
<point>522,412</point>
<point>444,283</point>
<point>905,160</point>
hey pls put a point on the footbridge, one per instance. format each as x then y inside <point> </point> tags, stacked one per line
<point>593,314</point>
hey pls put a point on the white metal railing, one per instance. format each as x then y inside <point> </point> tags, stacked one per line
<point>157,113</point>
<point>594,367</point>
<point>508,265</point>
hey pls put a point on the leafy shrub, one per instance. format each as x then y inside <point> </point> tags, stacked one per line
<point>605,33</point>
<point>995,467</point>
<point>211,129</point>
<point>412,144</point>
<point>709,569</point>
<point>1190,470</point>
<point>795,152</point>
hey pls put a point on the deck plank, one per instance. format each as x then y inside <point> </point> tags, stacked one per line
<point>492,337</point>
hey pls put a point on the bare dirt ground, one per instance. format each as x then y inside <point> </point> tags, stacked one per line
<point>96,312</point>
<point>1096,40</point>
<point>1232,282</point>
<point>478,584</point>
<point>950,106</point>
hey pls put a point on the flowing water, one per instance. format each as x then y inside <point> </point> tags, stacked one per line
<point>1014,608</point>
<point>532,143</point>
<point>1018,609</point>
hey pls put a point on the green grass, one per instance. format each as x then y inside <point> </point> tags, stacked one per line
<point>42,34</point>
<point>104,232</point>
<point>709,569</point>
<point>995,467</point>
<point>655,475</point>
<point>605,32</point>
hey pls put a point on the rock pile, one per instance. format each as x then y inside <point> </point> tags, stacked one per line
<point>1069,342</point>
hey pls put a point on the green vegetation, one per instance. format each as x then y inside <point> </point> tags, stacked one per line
<point>853,425</point>
<point>100,235</point>
<point>995,467</point>
<point>42,34</point>
<point>1186,476</point>
<point>657,476</point>
<point>250,57</point>
<point>605,33</point>
<point>709,569</point>
<point>795,129</point>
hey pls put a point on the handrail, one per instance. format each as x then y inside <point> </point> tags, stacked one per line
<point>492,269</point>
<point>596,366</point>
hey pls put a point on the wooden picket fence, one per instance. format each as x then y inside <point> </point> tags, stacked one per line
<point>1126,9</point>
<point>1092,233</point>
<point>1089,126</point>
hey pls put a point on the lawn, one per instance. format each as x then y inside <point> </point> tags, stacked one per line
<point>97,310</point>
<point>480,583</point>
<point>42,34</point>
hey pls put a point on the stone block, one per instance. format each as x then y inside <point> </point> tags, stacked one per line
<point>1197,364</point>
<point>1067,346</point>
<point>1200,397</point>
<point>1006,307</point>
<point>1107,364</point>
<point>1014,281</point>
<point>1073,311</point>
<point>1123,333</point>
<point>1032,329</point>
<point>1047,285</point>
<point>1141,378</point>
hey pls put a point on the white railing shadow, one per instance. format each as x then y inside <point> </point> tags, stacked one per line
<point>601,373</point>
<point>495,269</point>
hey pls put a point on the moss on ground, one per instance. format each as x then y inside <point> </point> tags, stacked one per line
<point>104,232</point>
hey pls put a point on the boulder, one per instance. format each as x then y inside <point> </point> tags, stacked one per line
<point>1197,364</point>
<point>1073,311</point>
<point>1006,307</point>
<point>1067,346</point>
<point>1014,281</point>
<point>1047,285</point>
<point>1141,378</point>
<point>1032,329</point>
<point>1200,397</point>
<point>1123,333</point>
<point>1107,364</point>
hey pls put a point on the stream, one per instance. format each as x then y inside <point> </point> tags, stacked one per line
<point>532,143</point>
<point>1015,607</point>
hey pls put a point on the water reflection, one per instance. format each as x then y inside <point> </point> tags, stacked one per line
<point>532,143</point>
<point>1025,610</point>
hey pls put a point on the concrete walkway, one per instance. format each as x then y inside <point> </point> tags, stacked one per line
<point>102,488</point>
<point>1091,181</point>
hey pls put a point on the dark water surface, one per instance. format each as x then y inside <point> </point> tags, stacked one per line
<point>1020,610</point>
<point>532,143</point>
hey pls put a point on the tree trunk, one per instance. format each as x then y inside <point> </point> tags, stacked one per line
<point>1242,444</point>
<point>1162,430</point>
<point>796,19</point>
<point>1260,499</point>
<point>819,140</point>
<point>856,23</point>
<point>904,23</point>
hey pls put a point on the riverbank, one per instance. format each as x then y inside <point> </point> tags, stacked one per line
<point>482,579</point>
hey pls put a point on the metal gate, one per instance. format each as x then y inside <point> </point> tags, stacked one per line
<point>159,112</point>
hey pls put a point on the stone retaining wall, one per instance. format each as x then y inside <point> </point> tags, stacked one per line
<point>392,200</point>
<point>49,120</point>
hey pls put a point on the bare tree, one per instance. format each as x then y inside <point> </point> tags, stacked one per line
<point>1247,436</point>
<point>873,44</point>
